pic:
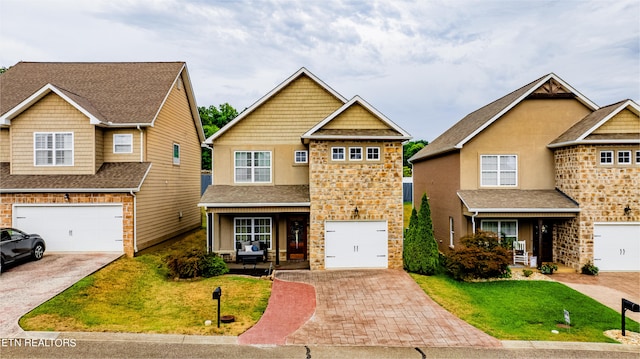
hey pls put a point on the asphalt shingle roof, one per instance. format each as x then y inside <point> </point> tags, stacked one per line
<point>261,195</point>
<point>515,200</point>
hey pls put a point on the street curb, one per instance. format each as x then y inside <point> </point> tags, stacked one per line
<point>600,347</point>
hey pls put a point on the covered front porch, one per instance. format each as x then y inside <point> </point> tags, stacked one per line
<point>529,216</point>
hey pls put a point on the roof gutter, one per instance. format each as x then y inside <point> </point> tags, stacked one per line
<point>249,205</point>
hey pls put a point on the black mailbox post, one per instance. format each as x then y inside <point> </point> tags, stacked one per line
<point>217,293</point>
<point>628,305</point>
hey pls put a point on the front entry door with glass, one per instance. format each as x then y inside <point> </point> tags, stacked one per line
<point>296,238</point>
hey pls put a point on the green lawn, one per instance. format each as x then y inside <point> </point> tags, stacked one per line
<point>524,310</point>
<point>134,295</point>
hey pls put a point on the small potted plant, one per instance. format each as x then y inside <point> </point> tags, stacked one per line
<point>590,269</point>
<point>548,268</point>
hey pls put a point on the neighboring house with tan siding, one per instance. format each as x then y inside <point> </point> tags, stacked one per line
<point>528,166</point>
<point>305,174</point>
<point>99,156</point>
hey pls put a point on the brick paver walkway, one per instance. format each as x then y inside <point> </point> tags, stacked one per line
<point>378,307</point>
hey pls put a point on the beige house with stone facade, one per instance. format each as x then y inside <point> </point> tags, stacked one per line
<point>305,174</point>
<point>543,165</point>
<point>99,156</point>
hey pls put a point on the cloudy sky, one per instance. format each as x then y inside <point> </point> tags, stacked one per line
<point>424,64</point>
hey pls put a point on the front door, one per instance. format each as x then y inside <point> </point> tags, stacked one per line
<point>543,235</point>
<point>297,238</point>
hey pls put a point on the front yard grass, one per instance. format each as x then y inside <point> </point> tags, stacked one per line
<point>524,310</point>
<point>134,295</point>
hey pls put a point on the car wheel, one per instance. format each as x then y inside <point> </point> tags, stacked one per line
<point>38,251</point>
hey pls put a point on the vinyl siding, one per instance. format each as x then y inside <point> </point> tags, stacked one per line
<point>285,117</point>
<point>354,117</point>
<point>624,122</point>
<point>5,145</point>
<point>52,114</point>
<point>99,148</point>
<point>170,189</point>
<point>110,156</point>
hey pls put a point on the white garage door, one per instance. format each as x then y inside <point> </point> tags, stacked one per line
<point>73,228</point>
<point>616,246</point>
<point>356,244</point>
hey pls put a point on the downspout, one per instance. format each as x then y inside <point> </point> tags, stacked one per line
<point>135,222</point>
<point>141,144</point>
<point>473,222</point>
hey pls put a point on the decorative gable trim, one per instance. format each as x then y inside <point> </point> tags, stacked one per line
<point>269,95</point>
<point>42,92</point>
<point>628,103</point>
<point>553,84</point>
<point>312,133</point>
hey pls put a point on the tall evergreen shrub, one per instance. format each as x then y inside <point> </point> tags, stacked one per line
<point>420,251</point>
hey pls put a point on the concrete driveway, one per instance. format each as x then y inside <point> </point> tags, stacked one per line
<point>27,285</point>
<point>360,307</point>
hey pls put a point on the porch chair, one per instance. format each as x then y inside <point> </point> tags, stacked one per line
<point>520,254</point>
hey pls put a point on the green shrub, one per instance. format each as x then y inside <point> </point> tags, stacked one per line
<point>213,266</point>
<point>590,269</point>
<point>420,251</point>
<point>527,272</point>
<point>193,262</point>
<point>548,268</point>
<point>480,256</point>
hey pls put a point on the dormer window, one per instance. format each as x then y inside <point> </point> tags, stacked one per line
<point>53,148</point>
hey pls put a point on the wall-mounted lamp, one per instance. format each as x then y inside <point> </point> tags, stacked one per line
<point>66,197</point>
<point>356,213</point>
<point>627,210</point>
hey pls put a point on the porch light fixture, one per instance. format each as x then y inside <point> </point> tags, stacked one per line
<point>66,197</point>
<point>627,210</point>
<point>356,212</point>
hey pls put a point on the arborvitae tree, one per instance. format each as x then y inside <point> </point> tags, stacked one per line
<point>421,250</point>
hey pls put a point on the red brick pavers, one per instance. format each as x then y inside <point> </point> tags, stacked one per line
<point>291,304</point>
<point>379,308</point>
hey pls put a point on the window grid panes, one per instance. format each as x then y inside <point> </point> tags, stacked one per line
<point>638,157</point>
<point>506,230</point>
<point>499,170</point>
<point>122,143</point>
<point>252,166</point>
<point>355,153</point>
<point>606,157</point>
<point>301,156</point>
<point>624,157</point>
<point>373,153</point>
<point>53,149</point>
<point>253,229</point>
<point>337,153</point>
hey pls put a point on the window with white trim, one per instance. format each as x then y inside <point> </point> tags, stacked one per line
<point>122,143</point>
<point>301,157</point>
<point>624,157</point>
<point>252,229</point>
<point>355,153</point>
<point>176,154</point>
<point>451,232</point>
<point>638,157</point>
<point>506,230</point>
<point>373,153</point>
<point>53,148</point>
<point>606,157</point>
<point>337,153</point>
<point>499,170</point>
<point>252,166</point>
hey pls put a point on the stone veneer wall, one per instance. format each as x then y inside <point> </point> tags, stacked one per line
<point>335,189</point>
<point>602,193</point>
<point>7,200</point>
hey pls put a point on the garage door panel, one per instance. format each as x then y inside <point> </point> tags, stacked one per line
<point>356,244</point>
<point>616,246</point>
<point>74,228</point>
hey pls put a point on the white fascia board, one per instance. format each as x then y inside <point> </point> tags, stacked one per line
<point>345,137</point>
<point>36,96</point>
<point>523,210</point>
<point>357,99</point>
<point>581,98</point>
<point>595,142</point>
<point>270,94</point>
<point>69,190</point>
<point>248,205</point>
<point>608,117</point>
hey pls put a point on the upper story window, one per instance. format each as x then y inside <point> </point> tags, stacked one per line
<point>337,153</point>
<point>499,170</point>
<point>176,154</point>
<point>301,157</point>
<point>373,153</point>
<point>506,230</point>
<point>606,157</point>
<point>624,157</point>
<point>252,166</point>
<point>355,153</point>
<point>122,143</point>
<point>638,157</point>
<point>53,148</point>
